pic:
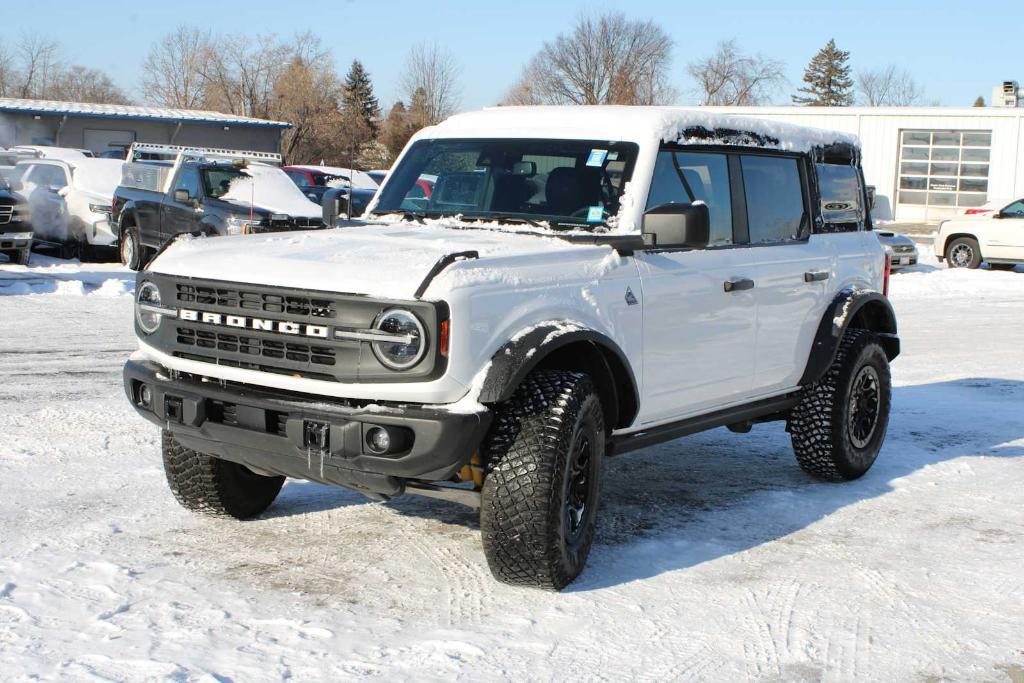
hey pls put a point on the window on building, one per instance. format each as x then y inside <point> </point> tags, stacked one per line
<point>944,168</point>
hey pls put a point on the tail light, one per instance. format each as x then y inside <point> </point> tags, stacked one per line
<point>885,277</point>
<point>443,344</point>
<point>972,212</point>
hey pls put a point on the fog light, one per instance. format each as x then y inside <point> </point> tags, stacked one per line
<point>145,396</point>
<point>378,440</point>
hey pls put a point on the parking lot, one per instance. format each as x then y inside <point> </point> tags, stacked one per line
<point>716,556</point>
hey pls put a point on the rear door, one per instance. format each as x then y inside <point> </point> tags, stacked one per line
<point>698,338</point>
<point>180,217</point>
<point>793,268</point>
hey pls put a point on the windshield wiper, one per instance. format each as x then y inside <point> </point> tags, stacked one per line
<point>511,218</point>
<point>417,216</point>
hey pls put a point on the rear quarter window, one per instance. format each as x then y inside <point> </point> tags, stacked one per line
<point>842,198</point>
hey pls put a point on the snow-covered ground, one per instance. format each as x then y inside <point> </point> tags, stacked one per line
<point>716,557</point>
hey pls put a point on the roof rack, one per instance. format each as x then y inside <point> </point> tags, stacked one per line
<point>149,150</point>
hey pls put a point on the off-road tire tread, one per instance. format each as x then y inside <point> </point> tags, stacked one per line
<point>212,486</point>
<point>812,422</point>
<point>525,454</point>
<point>21,257</point>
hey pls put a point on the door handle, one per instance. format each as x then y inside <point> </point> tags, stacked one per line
<point>739,284</point>
<point>815,275</point>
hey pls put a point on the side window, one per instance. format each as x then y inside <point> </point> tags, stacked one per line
<point>775,198</point>
<point>842,205</point>
<point>1015,209</point>
<point>188,180</point>
<point>687,177</point>
<point>45,175</point>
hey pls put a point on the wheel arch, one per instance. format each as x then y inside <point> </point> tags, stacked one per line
<point>852,308</point>
<point>582,350</point>
<point>957,235</point>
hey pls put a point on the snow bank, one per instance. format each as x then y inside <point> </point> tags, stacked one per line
<point>268,187</point>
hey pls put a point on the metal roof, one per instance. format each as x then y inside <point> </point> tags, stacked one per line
<point>125,111</point>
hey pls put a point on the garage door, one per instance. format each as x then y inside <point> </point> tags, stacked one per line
<point>104,140</point>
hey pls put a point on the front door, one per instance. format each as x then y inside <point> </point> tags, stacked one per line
<point>180,217</point>
<point>698,337</point>
<point>1006,234</point>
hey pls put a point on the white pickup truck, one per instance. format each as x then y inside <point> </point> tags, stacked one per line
<point>581,282</point>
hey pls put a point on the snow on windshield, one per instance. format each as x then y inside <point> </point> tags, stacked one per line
<point>268,187</point>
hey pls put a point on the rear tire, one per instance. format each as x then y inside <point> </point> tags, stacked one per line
<point>838,427</point>
<point>545,458</point>
<point>963,252</point>
<point>216,487</point>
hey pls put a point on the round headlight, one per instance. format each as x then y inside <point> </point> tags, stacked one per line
<point>148,295</point>
<point>410,344</point>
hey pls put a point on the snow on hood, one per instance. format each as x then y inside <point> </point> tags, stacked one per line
<point>270,188</point>
<point>386,261</point>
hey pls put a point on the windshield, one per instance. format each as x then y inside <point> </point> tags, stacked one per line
<point>570,183</point>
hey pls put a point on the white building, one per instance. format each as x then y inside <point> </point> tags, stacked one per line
<point>925,162</point>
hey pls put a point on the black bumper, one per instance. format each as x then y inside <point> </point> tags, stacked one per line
<point>305,438</point>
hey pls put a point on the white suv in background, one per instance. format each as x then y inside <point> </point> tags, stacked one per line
<point>581,282</point>
<point>995,237</point>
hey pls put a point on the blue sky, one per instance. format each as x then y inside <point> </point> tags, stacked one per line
<point>955,50</point>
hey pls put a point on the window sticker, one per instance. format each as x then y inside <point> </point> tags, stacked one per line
<point>595,214</point>
<point>597,157</point>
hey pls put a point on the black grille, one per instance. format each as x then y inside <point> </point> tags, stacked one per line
<point>255,419</point>
<point>6,212</point>
<point>262,302</point>
<point>256,346</point>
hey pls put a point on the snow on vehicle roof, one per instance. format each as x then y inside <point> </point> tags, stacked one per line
<point>47,152</point>
<point>97,176</point>
<point>636,124</point>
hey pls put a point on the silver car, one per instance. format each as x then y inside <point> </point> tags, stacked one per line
<point>901,249</point>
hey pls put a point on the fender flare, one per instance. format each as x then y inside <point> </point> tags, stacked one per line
<point>525,352</point>
<point>870,309</point>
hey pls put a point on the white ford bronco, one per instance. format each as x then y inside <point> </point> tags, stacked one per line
<point>577,283</point>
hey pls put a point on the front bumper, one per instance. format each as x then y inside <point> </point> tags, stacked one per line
<point>302,437</point>
<point>15,240</point>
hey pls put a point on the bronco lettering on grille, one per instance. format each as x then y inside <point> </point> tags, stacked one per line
<point>245,322</point>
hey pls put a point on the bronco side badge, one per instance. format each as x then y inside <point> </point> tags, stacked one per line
<point>630,298</point>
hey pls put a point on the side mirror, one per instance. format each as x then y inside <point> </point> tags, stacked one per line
<point>677,225</point>
<point>15,185</point>
<point>334,206</point>
<point>54,188</point>
<point>182,197</point>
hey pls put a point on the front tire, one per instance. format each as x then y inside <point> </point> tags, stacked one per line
<point>963,252</point>
<point>131,249</point>
<point>545,458</point>
<point>216,487</point>
<point>21,257</point>
<point>838,427</point>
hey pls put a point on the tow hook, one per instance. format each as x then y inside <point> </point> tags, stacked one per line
<point>316,435</point>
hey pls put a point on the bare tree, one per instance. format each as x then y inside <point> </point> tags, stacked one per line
<point>240,71</point>
<point>172,72</point>
<point>606,59</point>
<point>432,69</point>
<point>8,77</point>
<point>39,65</point>
<point>730,78</point>
<point>82,84</point>
<point>890,86</point>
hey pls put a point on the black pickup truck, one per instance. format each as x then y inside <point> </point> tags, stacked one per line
<point>204,197</point>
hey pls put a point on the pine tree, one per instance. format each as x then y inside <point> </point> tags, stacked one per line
<point>979,102</point>
<point>828,79</point>
<point>358,100</point>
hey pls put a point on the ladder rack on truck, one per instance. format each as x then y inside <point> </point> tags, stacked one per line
<point>147,166</point>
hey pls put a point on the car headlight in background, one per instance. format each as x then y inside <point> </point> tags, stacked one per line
<point>410,344</point>
<point>148,311</point>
